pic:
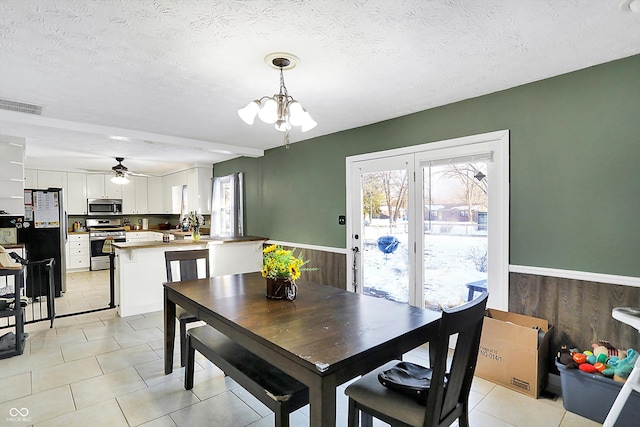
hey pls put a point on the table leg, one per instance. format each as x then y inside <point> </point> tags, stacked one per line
<point>169,332</point>
<point>322,402</point>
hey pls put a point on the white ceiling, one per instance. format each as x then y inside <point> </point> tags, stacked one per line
<point>170,75</point>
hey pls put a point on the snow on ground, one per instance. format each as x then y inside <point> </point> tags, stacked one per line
<point>448,267</point>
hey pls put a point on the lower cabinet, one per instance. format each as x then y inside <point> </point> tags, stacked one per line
<point>79,253</point>
<point>143,236</point>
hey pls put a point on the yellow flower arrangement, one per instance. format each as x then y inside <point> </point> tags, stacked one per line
<point>279,263</point>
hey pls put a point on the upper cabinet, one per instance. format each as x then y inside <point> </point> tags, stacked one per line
<point>30,178</point>
<point>135,195</point>
<point>155,195</point>
<point>51,179</point>
<point>188,191</point>
<point>76,193</point>
<point>176,193</point>
<point>199,190</point>
<point>12,151</point>
<point>99,186</point>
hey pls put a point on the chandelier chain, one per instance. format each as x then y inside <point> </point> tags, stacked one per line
<point>283,88</point>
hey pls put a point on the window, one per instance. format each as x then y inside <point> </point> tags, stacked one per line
<point>227,209</point>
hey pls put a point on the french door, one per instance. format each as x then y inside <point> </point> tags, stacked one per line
<point>381,227</point>
<point>429,224</point>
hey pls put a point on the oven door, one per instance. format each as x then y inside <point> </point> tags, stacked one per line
<point>99,259</point>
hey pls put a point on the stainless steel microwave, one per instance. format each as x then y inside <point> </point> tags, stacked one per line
<point>104,206</point>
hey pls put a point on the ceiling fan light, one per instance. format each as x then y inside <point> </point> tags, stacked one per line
<point>248,113</point>
<point>269,111</point>
<point>119,179</point>
<point>307,122</point>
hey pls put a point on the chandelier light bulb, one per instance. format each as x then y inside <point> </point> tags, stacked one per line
<point>269,111</point>
<point>283,125</point>
<point>307,122</point>
<point>296,113</point>
<point>248,113</point>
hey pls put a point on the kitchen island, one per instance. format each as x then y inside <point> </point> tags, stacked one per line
<point>140,268</point>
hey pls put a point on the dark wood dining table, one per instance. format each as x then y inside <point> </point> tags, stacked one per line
<point>323,338</point>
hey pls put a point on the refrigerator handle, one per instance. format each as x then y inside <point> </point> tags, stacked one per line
<point>66,227</point>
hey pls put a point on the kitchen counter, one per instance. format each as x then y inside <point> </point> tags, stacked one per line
<point>140,267</point>
<point>188,242</point>
<point>13,246</point>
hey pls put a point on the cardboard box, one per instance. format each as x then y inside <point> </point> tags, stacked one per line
<point>511,352</point>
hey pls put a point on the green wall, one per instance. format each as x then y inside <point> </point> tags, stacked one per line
<point>575,179</point>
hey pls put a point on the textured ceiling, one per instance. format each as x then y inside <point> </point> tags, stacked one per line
<point>170,74</point>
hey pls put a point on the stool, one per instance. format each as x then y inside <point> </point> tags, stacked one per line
<point>630,316</point>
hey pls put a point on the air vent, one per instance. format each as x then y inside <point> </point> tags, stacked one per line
<point>20,107</point>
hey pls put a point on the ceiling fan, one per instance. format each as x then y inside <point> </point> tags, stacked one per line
<point>121,172</point>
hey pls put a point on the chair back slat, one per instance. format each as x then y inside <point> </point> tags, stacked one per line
<point>446,403</point>
<point>188,263</point>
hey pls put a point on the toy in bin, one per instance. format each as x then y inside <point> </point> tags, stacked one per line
<point>603,359</point>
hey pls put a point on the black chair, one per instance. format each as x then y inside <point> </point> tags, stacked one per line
<point>188,268</point>
<point>448,395</point>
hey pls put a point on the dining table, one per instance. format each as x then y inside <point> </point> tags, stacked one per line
<point>324,338</point>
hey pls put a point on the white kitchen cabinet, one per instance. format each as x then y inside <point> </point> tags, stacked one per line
<point>173,192</point>
<point>30,178</point>
<point>78,252</point>
<point>53,179</point>
<point>139,236</point>
<point>155,236</point>
<point>99,186</point>
<point>199,189</point>
<point>155,195</point>
<point>195,197</point>
<point>12,151</point>
<point>142,194</point>
<point>76,193</point>
<point>134,196</point>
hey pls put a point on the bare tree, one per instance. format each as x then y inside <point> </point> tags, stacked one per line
<point>395,189</point>
<point>474,183</point>
<point>388,187</point>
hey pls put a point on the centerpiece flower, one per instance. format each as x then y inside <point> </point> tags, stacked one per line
<point>281,267</point>
<point>195,221</point>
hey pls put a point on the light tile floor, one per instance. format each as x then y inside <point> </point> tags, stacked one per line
<point>99,369</point>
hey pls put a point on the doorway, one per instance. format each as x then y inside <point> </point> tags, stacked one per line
<point>429,224</point>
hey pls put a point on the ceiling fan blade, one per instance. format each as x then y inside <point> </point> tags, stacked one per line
<point>139,174</point>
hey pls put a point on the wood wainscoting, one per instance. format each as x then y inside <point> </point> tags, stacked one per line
<point>332,266</point>
<point>579,310</point>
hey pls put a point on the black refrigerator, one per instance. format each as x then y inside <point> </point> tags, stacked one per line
<point>43,231</point>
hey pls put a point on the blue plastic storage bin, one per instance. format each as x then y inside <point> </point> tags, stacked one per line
<point>592,395</point>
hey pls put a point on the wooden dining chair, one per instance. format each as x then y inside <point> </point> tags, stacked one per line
<point>187,263</point>
<point>448,394</point>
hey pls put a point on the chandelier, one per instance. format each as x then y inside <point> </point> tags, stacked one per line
<point>280,109</point>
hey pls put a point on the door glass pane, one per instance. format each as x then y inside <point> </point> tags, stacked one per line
<point>455,232</point>
<point>385,255</point>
